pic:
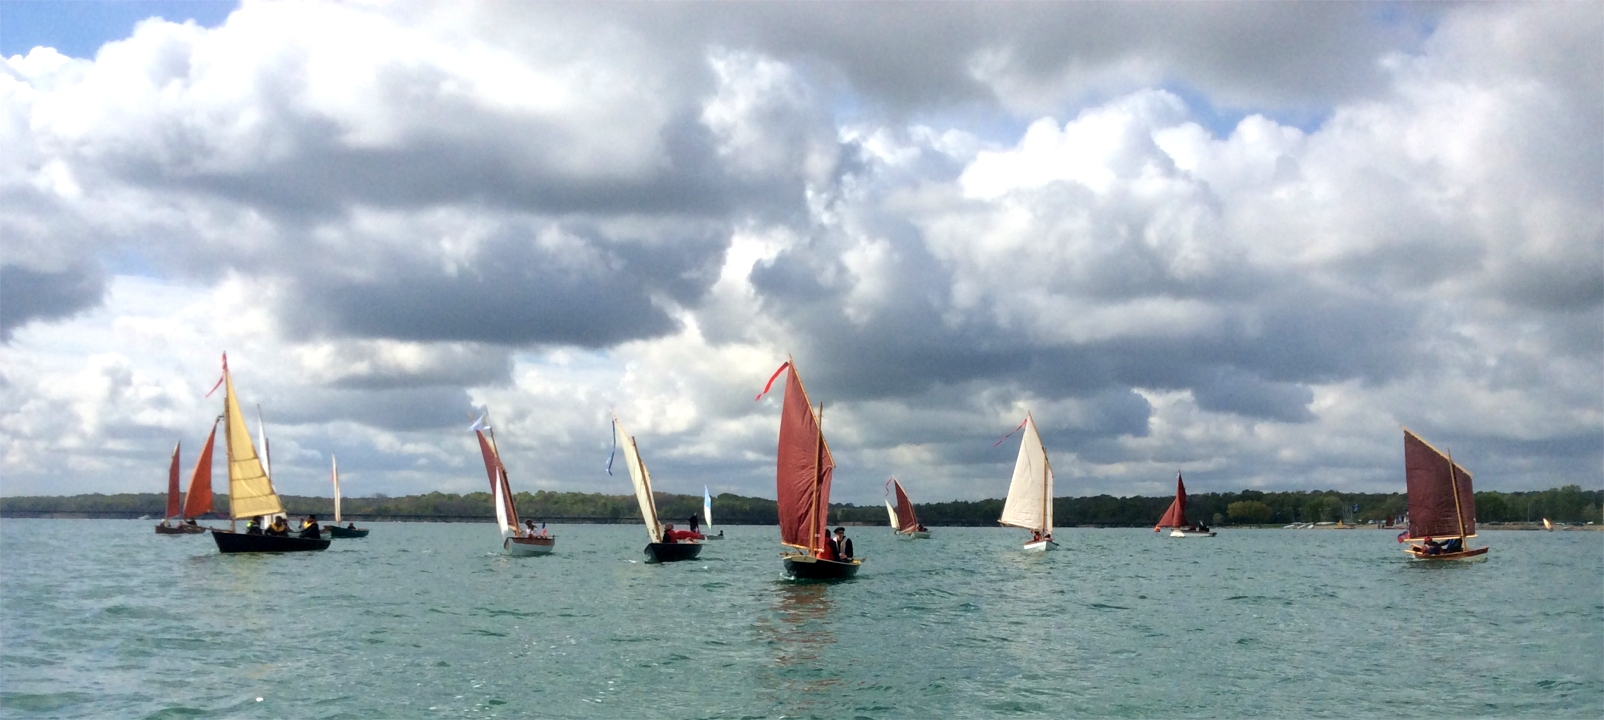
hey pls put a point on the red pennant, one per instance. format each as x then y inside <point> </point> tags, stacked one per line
<point>220,379</point>
<point>772,378</point>
<point>1011,432</point>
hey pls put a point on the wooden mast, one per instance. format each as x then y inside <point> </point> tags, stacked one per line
<point>818,448</point>
<point>228,450</point>
<point>1459,512</point>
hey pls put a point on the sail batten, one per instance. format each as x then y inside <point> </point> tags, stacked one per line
<point>1442,502</point>
<point>198,501</point>
<point>250,490</point>
<point>1030,494</point>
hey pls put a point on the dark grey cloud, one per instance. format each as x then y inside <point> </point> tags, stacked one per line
<point>27,295</point>
<point>601,286</point>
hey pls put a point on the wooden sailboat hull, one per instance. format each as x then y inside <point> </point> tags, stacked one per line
<point>336,531</point>
<point>1419,553</point>
<point>672,552</point>
<point>529,546</point>
<point>1039,546</point>
<point>806,567</point>
<point>915,535</point>
<point>1177,532</point>
<point>233,542</point>
<point>719,536</point>
<point>179,529</point>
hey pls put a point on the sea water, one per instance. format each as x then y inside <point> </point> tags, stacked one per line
<point>107,619</point>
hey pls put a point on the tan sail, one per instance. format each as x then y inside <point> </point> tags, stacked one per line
<point>642,480</point>
<point>250,490</point>
<point>1030,495</point>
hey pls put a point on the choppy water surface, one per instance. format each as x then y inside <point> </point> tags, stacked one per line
<point>106,619</point>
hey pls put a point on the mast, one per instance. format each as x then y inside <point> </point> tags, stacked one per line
<point>1453,483</point>
<point>814,543</point>
<point>334,474</point>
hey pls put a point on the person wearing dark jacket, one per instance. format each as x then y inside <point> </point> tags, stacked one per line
<point>842,545</point>
<point>310,529</point>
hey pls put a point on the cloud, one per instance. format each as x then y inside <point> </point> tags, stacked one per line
<point>1247,243</point>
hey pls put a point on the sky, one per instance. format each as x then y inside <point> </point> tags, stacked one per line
<point>1246,242</point>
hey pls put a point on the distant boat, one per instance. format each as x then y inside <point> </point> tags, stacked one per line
<point>1030,494</point>
<point>335,531</point>
<point>803,469</point>
<point>250,489</point>
<point>707,516</point>
<point>1175,517</point>
<point>663,544</point>
<point>199,499</point>
<point>1442,504</point>
<point>514,539</point>
<point>1548,525</point>
<point>903,521</point>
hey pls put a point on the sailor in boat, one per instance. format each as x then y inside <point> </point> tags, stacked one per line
<point>668,533</point>
<point>255,526</point>
<point>279,528</point>
<point>1432,546</point>
<point>191,522</point>
<point>841,545</point>
<point>310,529</point>
<point>694,524</point>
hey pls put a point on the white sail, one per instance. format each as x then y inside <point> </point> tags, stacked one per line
<point>1030,495</point>
<point>334,474</point>
<point>501,507</point>
<point>643,482</point>
<point>892,513</point>
<point>267,452</point>
<point>707,508</point>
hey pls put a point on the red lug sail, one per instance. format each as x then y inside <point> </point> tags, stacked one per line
<point>1432,479</point>
<point>1176,515</point>
<point>803,469</point>
<point>199,500</point>
<point>906,521</point>
<point>172,485</point>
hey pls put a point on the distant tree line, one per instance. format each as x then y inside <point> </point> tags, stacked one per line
<point>1569,504</point>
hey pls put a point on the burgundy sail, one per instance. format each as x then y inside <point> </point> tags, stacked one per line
<point>172,485</point>
<point>1432,479</point>
<point>1176,515</point>
<point>198,501</point>
<point>906,521</point>
<point>803,469</point>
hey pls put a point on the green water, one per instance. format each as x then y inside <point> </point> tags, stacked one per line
<point>106,619</point>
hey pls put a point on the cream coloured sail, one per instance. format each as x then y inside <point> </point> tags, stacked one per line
<point>1030,496</point>
<point>334,474</point>
<point>500,498</point>
<point>250,490</point>
<point>892,512</point>
<point>642,480</point>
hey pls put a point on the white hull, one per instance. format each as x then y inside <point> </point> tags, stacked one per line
<point>915,535</point>
<point>528,549</point>
<point>1187,533</point>
<point>1040,546</point>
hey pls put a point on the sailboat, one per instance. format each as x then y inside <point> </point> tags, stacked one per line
<point>199,499</point>
<point>1175,517</point>
<point>707,517</point>
<point>1441,503</point>
<point>660,546</point>
<point>803,471</point>
<point>250,489</point>
<point>903,520</point>
<point>1030,495</point>
<point>1547,525</point>
<point>515,540</point>
<point>335,531</point>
